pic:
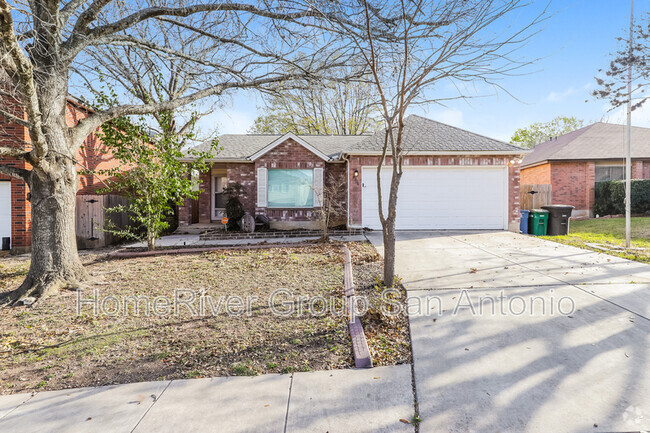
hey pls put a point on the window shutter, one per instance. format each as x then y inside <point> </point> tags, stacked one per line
<point>261,187</point>
<point>318,187</point>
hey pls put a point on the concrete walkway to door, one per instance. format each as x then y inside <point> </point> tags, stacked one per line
<point>493,353</point>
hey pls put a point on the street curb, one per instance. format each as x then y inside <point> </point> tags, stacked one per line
<point>124,254</point>
<point>362,358</point>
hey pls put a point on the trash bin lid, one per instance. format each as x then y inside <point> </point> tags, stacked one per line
<point>558,206</point>
<point>539,211</point>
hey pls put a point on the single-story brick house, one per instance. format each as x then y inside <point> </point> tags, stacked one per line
<point>453,178</point>
<point>574,162</point>
<point>15,208</point>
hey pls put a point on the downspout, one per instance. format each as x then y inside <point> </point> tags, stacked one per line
<point>345,158</point>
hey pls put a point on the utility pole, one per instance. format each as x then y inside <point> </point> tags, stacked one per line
<point>628,155</point>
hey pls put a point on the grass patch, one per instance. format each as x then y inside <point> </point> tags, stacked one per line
<point>610,231</point>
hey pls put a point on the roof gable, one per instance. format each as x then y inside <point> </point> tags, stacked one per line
<point>282,139</point>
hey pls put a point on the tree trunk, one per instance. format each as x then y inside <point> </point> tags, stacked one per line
<point>389,252</point>
<point>54,263</point>
<point>151,240</point>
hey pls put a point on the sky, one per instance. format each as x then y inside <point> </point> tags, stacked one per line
<point>572,46</point>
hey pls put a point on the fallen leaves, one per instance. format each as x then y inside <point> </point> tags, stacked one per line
<point>90,350</point>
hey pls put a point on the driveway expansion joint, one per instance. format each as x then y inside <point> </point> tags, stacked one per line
<point>155,399</point>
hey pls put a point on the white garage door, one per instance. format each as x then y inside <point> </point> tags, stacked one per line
<point>5,210</point>
<point>441,198</point>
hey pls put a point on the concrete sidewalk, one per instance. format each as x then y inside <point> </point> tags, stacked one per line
<point>365,400</point>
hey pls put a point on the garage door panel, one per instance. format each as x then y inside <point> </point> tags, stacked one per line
<point>5,209</point>
<point>441,198</point>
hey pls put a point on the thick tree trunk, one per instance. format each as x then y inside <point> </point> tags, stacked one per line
<point>54,263</point>
<point>389,252</point>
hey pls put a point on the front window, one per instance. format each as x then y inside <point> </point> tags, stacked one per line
<point>609,172</point>
<point>291,188</point>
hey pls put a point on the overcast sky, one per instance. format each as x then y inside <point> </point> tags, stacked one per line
<point>574,44</point>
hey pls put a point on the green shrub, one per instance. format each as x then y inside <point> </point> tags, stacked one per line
<point>610,197</point>
<point>603,203</point>
<point>234,207</point>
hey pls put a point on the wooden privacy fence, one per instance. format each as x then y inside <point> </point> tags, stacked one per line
<point>542,196</point>
<point>91,217</point>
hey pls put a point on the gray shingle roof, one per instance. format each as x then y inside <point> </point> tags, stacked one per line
<point>243,146</point>
<point>420,135</point>
<point>593,142</point>
<point>426,135</point>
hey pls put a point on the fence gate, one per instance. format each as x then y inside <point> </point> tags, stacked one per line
<point>91,217</point>
<point>534,196</point>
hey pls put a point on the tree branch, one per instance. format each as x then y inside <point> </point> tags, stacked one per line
<point>15,172</point>
<point>95,120</point>
<point>66,12</point>
<point>82,36</point>
<point>25,76</point>
<point>15,152</point>
<point>15,119</point>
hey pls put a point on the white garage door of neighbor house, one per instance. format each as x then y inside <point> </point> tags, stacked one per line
<point>441,198</point>
<point>5,210</point>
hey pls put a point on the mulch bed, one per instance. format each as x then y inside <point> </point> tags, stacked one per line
<point>52,347</point>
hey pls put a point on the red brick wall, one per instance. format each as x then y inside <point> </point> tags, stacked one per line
<point>538,175</point>
<point>573,182</point>
<point>13,135</point>
<point>205,204</point>
<point>92,155</point>
<point>569,183</point>
<point>244,174</point>
<point>287,155</point>
<point>590,186</point>
<point>357,162</point>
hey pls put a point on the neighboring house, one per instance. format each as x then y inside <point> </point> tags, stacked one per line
<point>574,162</point>
<point>453,179</point>
<point>15,208</point>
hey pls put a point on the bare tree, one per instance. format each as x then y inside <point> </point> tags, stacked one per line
<point>333,204</point>
<point>613,82</point>
<point>346,107</point>
<point>423,43</point>
<point>42,42</point>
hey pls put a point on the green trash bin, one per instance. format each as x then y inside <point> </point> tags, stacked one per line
<point>537,222</point>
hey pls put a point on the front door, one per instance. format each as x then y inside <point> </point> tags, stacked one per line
<point>218,197</point>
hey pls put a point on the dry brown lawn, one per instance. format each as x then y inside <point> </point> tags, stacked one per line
<point>53,347</point>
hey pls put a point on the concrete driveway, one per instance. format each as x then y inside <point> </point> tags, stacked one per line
<point>515,334</point>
